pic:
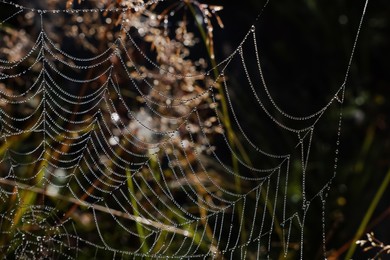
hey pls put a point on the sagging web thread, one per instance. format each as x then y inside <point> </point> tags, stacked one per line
<point>143,165</point>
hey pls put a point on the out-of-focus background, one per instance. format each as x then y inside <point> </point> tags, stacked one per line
<point>304,48</point>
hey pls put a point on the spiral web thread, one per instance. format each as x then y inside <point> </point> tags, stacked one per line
<point>150,172</point>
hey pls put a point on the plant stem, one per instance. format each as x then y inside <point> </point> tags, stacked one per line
<point>367,216</point>
<point>140,229</point>
<point>224,114</point>
<point>82,203</point>
<point>232,138</point>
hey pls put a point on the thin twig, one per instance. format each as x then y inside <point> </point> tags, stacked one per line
<point>114,212</point>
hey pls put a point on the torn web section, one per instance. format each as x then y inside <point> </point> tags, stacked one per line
<point>297,135</point>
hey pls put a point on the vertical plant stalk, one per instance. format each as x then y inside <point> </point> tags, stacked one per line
<point>367,216</point>
<point>140,229</point>
<point>208,41</point>
<point>232,138</point>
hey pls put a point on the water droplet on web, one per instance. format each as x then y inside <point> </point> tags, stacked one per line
<point>253,28</point>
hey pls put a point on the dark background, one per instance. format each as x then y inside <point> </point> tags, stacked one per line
<point>304,48</point>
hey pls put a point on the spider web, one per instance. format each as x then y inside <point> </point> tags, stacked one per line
<point>125,154</point>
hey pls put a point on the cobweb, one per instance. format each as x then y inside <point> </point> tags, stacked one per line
<point>127,151</point>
